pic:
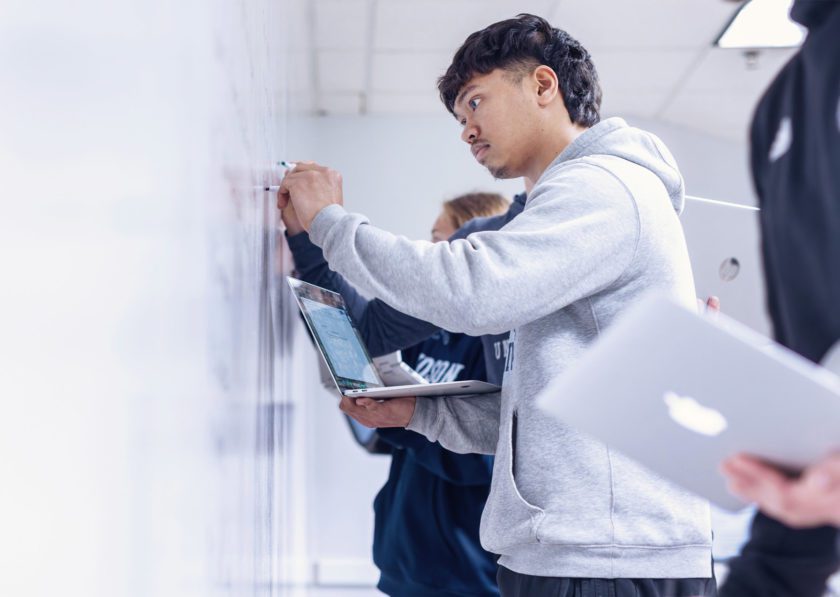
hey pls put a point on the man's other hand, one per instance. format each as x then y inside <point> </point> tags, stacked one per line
<point>396,412</point>
<point>810,500</point>
<point>310,188</point>
<point>710,307</point>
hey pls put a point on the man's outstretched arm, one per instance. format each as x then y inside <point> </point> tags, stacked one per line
<point>568,244</point>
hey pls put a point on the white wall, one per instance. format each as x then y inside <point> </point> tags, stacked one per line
<point>713,167</point>
<point>149,386</point>
<point>343,481</point>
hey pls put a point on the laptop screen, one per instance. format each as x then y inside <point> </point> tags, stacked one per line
<point>336,336</point>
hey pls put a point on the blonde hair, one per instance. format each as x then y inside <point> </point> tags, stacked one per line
<point>463,208</point>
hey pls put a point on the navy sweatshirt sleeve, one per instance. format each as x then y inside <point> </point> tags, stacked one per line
<point>458,469</point>
<point>383,328</point>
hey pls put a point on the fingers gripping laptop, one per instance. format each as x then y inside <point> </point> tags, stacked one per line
<point>347,358</point>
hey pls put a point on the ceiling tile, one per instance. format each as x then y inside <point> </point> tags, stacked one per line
<point>643,23</point>
<point>643,50</point>
<point>405,103</point>
<point>442,24</point>
<point>722,114</point>
<point>641,70</point>
<point>341,71</point>
<point>641,103</point>
<point>729,70</point>
<point>409,71</point>
<point>341,24</point>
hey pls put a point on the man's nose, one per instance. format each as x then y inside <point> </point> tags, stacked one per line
<point>469,134</point>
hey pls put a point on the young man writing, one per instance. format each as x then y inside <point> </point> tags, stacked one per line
<point>599,230</point>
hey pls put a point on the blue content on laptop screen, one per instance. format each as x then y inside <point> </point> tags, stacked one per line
<point>341,345</point>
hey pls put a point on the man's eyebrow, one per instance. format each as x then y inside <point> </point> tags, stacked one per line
<point>464,92</point>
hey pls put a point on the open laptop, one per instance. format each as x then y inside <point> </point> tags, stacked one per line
<point>347,358</point>
<point>724,246</point>
<point>678,392</point>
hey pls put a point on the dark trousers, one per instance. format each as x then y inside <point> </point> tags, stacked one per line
<point>513,584</point>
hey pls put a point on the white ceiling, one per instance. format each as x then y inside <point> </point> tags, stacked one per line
<point>655,57</point>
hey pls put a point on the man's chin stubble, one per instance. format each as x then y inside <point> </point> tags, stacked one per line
<point>498,173</point>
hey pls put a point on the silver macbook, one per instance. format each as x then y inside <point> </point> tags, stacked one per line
<point>724,245</point>
<point>347,358</point>
<point>679,392</point>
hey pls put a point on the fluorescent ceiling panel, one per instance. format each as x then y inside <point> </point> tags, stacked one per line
<point>762,24</point>
<point>650,24</point>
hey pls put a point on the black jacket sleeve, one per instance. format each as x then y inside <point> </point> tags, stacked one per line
<point>782,562</point>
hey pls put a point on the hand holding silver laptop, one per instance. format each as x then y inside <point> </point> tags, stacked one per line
<point>396,412</point>
<point>809,500</point>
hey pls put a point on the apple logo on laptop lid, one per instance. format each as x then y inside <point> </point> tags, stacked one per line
<point>692,415</point>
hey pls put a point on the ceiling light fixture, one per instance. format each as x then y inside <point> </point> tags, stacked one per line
<point>762,24</point>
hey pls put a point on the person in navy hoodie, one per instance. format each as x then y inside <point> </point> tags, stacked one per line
<point>428,512</point>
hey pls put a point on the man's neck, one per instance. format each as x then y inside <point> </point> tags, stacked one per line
<point>559,141</point>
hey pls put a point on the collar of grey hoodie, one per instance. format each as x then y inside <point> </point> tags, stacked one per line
<point>579,146</point>
<point>637,146</point>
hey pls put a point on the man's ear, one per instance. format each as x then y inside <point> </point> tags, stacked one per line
<point>547,85</point>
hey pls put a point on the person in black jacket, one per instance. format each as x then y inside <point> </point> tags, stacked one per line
<point>795,158</point>
<point>428,512</point>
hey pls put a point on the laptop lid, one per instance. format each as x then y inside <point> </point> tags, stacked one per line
<point>678,393</point>
<point>336,336</point>
<point>724,245</point>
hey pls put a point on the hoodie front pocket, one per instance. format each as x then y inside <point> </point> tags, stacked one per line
<point>536,511</point>
<point>508,520</point>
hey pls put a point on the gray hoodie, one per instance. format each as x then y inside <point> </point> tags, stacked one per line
<point>599,230</point>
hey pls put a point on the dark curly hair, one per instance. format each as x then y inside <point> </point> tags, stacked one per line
<point>518,46</point>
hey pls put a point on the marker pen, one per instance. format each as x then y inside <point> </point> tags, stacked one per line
<point>289,166</point>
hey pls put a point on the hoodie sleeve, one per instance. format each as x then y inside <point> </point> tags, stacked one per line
<point>383,328</point>
<point>576,236</point>
<point>466,425</point>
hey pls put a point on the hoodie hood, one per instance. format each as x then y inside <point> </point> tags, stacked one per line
<point>812,13</point>
<point>614,137</point>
